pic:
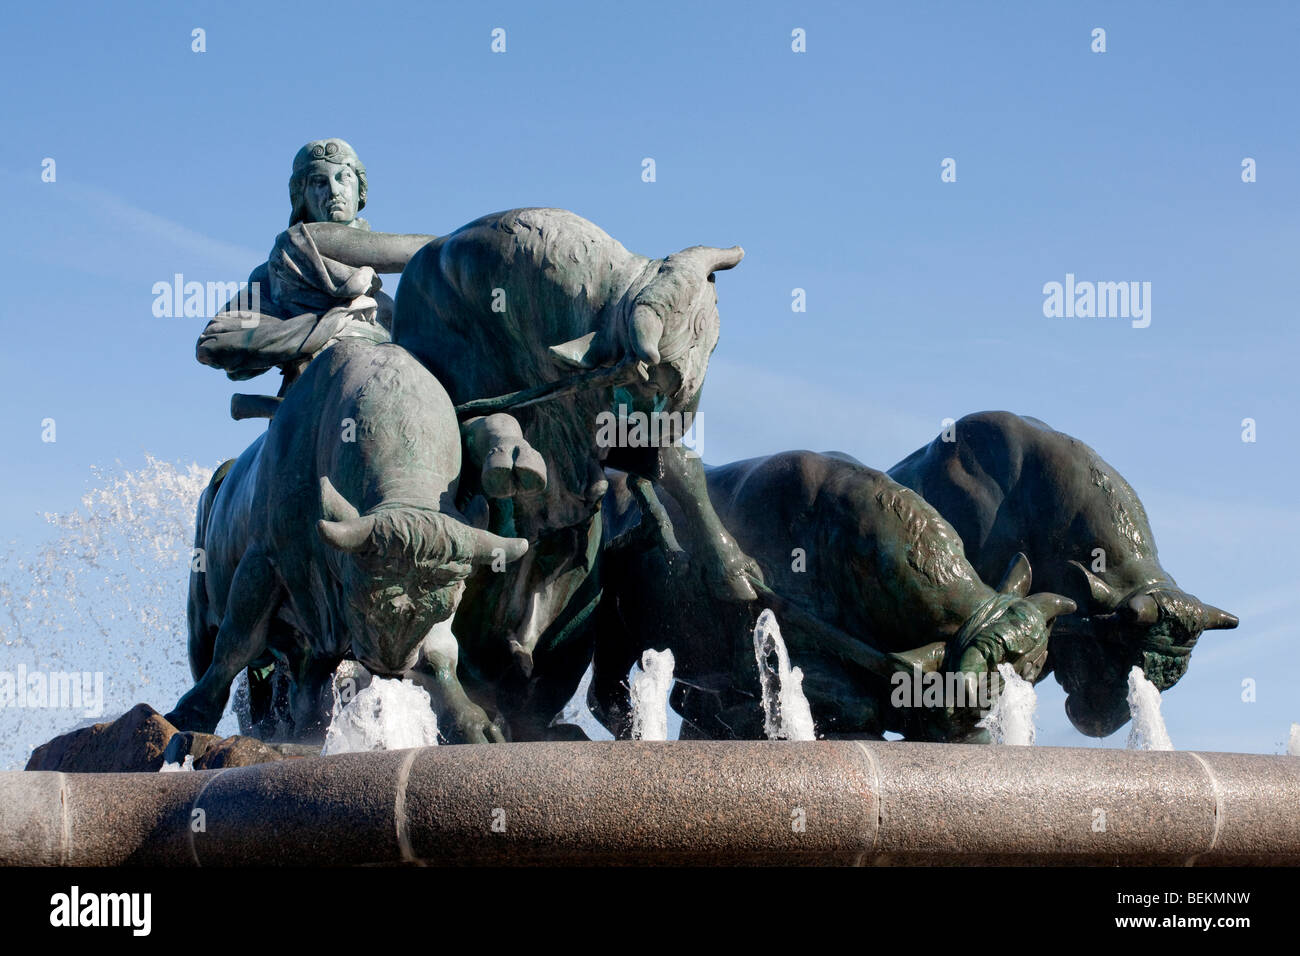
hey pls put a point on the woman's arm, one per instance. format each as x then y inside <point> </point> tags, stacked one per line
<point>386,252</point>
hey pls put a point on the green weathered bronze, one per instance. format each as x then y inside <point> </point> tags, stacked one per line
<point>541,312</point>
<point>848,556</point>
<point>438,496</point>
<point>320,283</point>
<point>1010,483</point>
<point>318,548</point>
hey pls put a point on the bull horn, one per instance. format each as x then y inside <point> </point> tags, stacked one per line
<point>333,506</point>
<point>1017,577</point>
<point>707,260</point>
<point>1052,605</point>
<point>474,546</point>
<point>1217,620</point>
<point>927,658</point>
<point>1101,593</point>
<point>349,535</point>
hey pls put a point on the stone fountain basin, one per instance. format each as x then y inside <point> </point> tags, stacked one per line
<point>705,802</point>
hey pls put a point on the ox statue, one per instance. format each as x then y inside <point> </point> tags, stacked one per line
<point>533,298</point>
<point>336,533</point>
<point>1012,484</point>
<point>867,580</point>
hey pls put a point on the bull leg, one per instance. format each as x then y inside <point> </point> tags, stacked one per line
<point>261,703</point>
<point>254,594</point>
<point>202,632</point>
<point>652,511</point>
<point>202,637</point>
<point>435,671</point>
<point>723,563</point>
<point>609,696</point>
<point>308,707</point>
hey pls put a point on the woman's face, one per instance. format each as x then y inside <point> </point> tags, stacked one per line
<point>332,192</point>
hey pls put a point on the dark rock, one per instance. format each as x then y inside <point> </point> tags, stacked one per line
<point>135,742</point>
<point>141,741</point>
<point>189,744</point>
<point>236,751</point>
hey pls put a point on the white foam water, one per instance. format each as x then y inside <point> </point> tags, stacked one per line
<point>103,597</point>
<point>1148,731</point>
<point>577,712</point>
<point>178,767</point>
<point>649,691</point>
<point>386,714</point>
<point>786,714</point>
<point>1011,719</point>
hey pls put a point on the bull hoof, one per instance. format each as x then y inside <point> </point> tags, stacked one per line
<point>512,470</point>
<point>474,727</point>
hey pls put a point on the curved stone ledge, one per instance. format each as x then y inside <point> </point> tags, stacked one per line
<point>828,802</point>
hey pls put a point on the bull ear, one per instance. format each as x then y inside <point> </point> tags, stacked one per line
<point>1094,593</point>
<point>351,535</point>
<point>706,260</point>
<point>1017,577</point>
<point>577,352</point>
<point>333,506</point>
<point>645,332</point>
<point>1217,620</point>
<point>1052,605</point>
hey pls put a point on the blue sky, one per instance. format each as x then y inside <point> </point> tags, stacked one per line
<point>924,298</point>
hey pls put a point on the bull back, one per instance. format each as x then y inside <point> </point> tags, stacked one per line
<point>482,306</point>
<point>1010,483</point>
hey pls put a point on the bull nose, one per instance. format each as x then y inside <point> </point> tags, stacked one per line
<point>1093,721</point>
<point>380,670</point>
<point>378,666</point>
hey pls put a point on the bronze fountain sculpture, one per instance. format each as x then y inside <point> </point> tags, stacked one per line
<point>441,459</point>
<point>484,487</point>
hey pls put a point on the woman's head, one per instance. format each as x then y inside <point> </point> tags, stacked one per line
<point>328,184</point>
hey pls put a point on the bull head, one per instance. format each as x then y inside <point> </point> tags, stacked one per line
<point>670,322</point>
<point>404,572</point>
<point>1154,628</point>
<point>421,536</point>
<point>1012,627</point>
